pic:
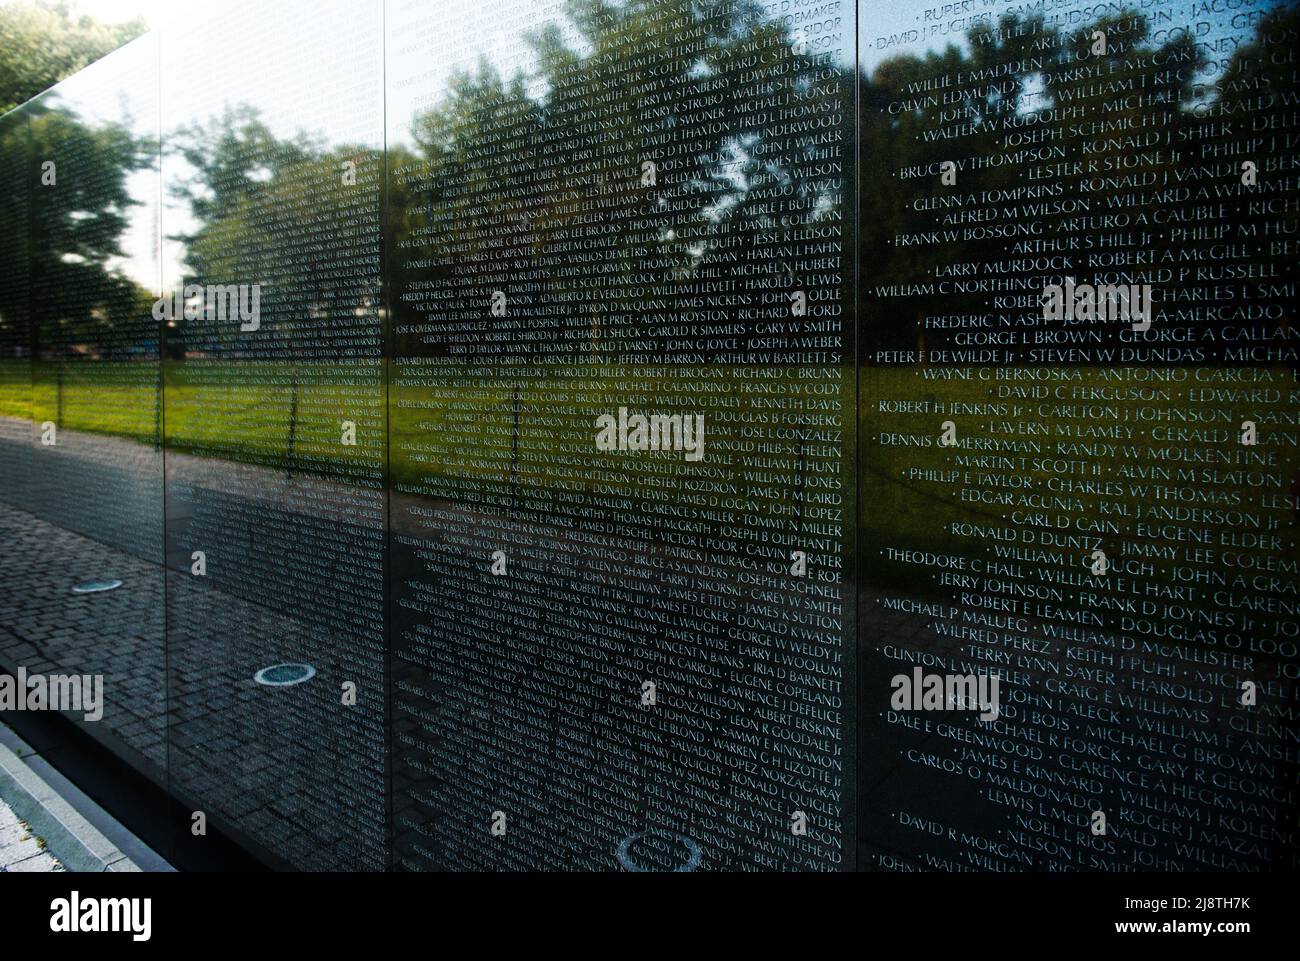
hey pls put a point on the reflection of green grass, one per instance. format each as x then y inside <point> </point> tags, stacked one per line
<point>243,417</point>
<point>452,429</point>
<point>927,507</point>
<point>254,413</point>
<point>517,426</point>
<point>918,512</point>
<point>15,389</point>
<point>524,437</point>
<point>117,399</point>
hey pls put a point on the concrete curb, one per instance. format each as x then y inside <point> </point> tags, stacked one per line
<point>70,838</point>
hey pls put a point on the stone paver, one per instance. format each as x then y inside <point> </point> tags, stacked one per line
<point>19,851</point>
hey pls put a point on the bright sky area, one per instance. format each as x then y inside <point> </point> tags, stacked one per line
<point>155,12</point>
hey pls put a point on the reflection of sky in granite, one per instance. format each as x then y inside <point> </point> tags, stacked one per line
<point>122,89</point>
<point>490,30</point>
<point>493,31</point>
<point>888,29</point>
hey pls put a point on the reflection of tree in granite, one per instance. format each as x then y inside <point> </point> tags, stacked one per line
<point>85,319</point>
<point>1052,74</point>
<point>276,212</point>
<point>570,213</point>
<point>46,43</point>
<point>79,297</point>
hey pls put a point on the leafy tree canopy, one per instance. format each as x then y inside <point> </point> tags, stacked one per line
<point>42,42</point>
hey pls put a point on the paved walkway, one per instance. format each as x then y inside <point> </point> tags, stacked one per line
<point>19,851</point>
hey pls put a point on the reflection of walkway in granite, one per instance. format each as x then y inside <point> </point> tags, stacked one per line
<point>488,665</point>
<point>295,770</point>
<point>47,629</point>
<point>107,488</point>
<point>110,488</point>
<point>287,767</point>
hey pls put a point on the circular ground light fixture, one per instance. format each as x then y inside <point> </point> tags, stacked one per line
<point>284,675</point>
<point>659,851</point>
<point>96,587</point>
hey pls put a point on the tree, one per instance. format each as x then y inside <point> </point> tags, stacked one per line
<point>41,43</point>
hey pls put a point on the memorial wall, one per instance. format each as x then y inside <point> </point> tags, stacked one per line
<point>665,435</point>
<point>1079,416</point>
<point>274,393</point>
<point>82,441</point>
<point>617,437</point>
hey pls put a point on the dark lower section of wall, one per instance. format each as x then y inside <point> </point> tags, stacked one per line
<point>104,772</point>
